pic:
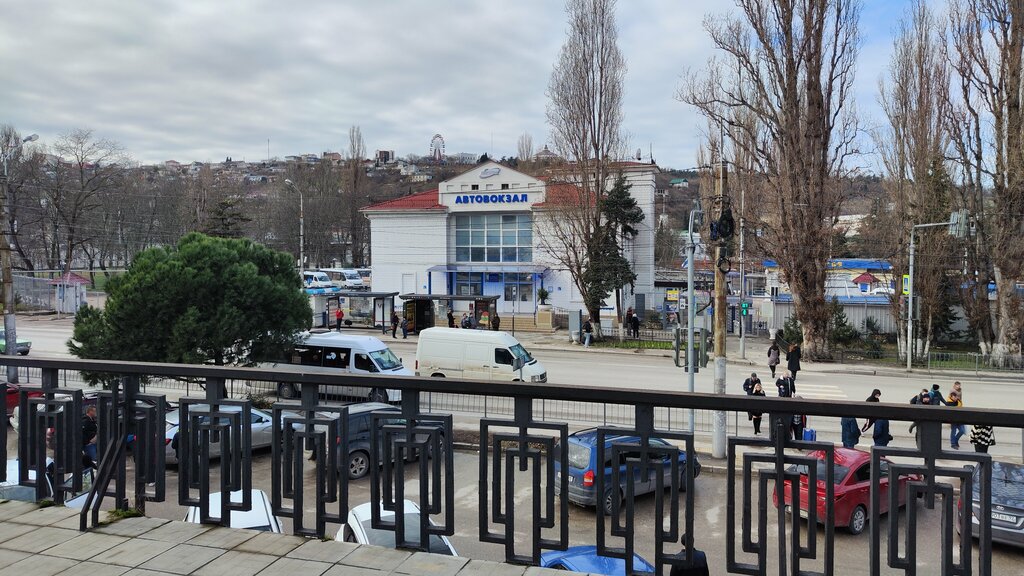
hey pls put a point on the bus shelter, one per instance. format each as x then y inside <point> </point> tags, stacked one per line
<point>427,310</point>
<point>362,309</point>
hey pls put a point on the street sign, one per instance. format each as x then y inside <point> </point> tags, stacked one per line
<point>906,284</point>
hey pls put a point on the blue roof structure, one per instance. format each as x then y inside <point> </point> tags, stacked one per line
<point>845,264</point>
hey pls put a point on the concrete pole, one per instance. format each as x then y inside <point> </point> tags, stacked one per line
<point>719,424</point>
<point>910,304</point>
<point>691,313</point>
<point>743,278</point>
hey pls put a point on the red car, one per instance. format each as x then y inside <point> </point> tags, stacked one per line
<point>852,490</point>
<point>12,397</point>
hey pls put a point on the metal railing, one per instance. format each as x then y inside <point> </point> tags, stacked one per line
<point>937,360</point>
<point>520,439</point>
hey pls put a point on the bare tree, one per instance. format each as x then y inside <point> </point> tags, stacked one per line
<point>912,146</point>
<point>986,53</point>
<point>585,113</point>
<point>355,198</point>
<point>791,66</point>
<point>525,150</point>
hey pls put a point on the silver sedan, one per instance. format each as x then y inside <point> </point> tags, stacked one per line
<point>260,422</point>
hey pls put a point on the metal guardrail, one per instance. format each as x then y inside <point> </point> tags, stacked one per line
<point>937,360</point>
<point>519,442</point>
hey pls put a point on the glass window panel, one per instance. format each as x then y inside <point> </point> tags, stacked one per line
<point>509,220</point>
<point>493,237</point>
<point>525,221</point>
<point>462,237</point>
<point>476,255</point>
<point>526,254</point>
<point>462,221</point>
<point>508,255</point>
<point>494,220</point>
<point>477,221</point>
<point>526,292</point>
<point>508,238</point>
<point>478,238</point>
<point>526,237</point>
<point>494,254</point>
<point>462,254</point>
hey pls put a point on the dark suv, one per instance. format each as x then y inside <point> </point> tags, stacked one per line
<point>583,470</point>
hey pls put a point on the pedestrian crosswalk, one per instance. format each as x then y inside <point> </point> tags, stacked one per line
<point>820,391</point>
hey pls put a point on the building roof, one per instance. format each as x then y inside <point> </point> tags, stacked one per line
<point>559,194</point>
<point>846,263</point>
<point>70,279</point>
<point>865,278</point>
<point>419,201</point>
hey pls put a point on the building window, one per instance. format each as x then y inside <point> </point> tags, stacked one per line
<point>469,283</point>
<point>519,287</point>
<point>493,238</point>
<point>504,186</point>
<point>474,187</point>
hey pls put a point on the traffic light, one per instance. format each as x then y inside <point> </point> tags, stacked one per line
<point>744,308</point>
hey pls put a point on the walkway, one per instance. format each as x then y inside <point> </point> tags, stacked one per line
<point>46,542</point>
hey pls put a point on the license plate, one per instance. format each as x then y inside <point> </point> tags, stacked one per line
<point>1004,517</point>
<point>570,479</point>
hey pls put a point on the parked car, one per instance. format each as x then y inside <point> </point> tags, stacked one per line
<point>12,400</point>
<point>260,422</point>
<point>260,517</point>
<point>358,529</point>
<point>23,346</point>
<point>585,559</point>
<point>851,493</point>
<point>1007,503</point>
<point>12,490</point>
<point>360,422</point>
<point>583,469</point>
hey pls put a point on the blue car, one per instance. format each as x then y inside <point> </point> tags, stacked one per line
<point>582,458</point>
<point>585,559</point>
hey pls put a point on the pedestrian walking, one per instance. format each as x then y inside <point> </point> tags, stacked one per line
<point>339,315</point>
<point>793,361</point>
<point>851,432</point>
<point>405,328</point>
<point>755,417</point>
<point>958,388</point>
<point>495,322</point>
<point>628,322</point>
<point>394,323</point>
<point>464,323</point>
<point>982,437</point>
<point>798,425</point>
<point>936,396</point>
<point>634,324</point>
<point>773,357</point>
<point>700,562</point>
<point>876,396</point>
<point>786,386</point>
<point>956,431</point>
<point>89,434</point>
<point>588,333</point>
<point>749,383</point>
<point>451,319</point>
<point>881,435</point>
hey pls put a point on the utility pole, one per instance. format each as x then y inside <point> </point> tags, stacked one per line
<point>743,278</point>
<point>6,261</point>
<point>696,217</point>
<point>718,437</point>
<point>958,226</point>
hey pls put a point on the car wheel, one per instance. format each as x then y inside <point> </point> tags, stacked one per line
<point>288,391</point>
<point>858,520</point>
<point>437,375</point>
<point>682,481</point>
<point>378,395</point>
<point>608,503</point>
<point>358,464</point>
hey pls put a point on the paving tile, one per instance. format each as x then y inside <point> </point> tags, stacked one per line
<point>133,552</point>
<point>40,539</point>
<point>343,570</point>
<point>273,544</point>
<point>488,568</point>
<point>85,545</point>
<point>293,566</point>
<point>234,563</point>
<point>95,569</point>
<point>131,527</point>
<point>225,538</point>
<point>183,559</point>
<point>176,532</point>
<point>535,571</point>
<point>10,530</point>
<point>375,557</point>
<point>38,565</point>
<point>8,557</point>
<point>431,565</point>
<point>144,572</point>
<point>323,551</point>
<point>14,508</point>
<point>49,515</point>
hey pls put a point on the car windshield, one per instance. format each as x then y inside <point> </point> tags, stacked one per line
<point>386,359</point>
<point>386,538</point>
<point>352,276</point>
<point>579,455</point>
<point>839,472</point>
<point>1007,483</point>
<point>519,352</point>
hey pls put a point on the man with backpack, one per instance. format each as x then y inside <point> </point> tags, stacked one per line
<point>786,386</point>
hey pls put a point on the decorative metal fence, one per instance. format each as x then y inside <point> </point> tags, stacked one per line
<point>937,360</point>
<point>520,439</point>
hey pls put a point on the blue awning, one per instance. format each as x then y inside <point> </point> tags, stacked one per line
<point>492,268</point>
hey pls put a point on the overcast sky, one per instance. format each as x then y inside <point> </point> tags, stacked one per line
<point>202,80</point>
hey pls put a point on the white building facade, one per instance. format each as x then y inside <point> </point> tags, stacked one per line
<point>480,233</point>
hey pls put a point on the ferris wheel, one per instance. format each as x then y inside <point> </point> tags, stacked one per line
<point>437,149</point>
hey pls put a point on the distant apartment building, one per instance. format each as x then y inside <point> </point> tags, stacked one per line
<point>385,156</point>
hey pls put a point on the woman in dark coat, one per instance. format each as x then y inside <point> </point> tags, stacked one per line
<point>755,417</point>
<point>793,360</point>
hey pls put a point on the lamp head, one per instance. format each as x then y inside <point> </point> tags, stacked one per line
<point>31,138</point>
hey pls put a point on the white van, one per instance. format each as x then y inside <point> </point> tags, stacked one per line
<point>335,351</point>
<point>345,278</point>
<point>316,279</point>
<point>474,354</point>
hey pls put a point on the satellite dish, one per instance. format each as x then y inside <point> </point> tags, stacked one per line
<point>639,154</point>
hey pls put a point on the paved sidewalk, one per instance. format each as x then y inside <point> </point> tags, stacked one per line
<point>46,542</point>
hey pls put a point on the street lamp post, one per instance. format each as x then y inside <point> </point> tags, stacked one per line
<point>696,218</point>
<point>302,228</point>
<point>10,333</point>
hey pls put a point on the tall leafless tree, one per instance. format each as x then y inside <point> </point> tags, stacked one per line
<point>355,198</point>
<point>585,114</point>
<point>525,150</point>
<point>987,53</point>
<point>791,65</point>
